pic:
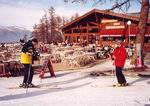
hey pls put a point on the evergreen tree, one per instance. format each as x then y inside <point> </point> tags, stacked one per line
<point>48,30</point>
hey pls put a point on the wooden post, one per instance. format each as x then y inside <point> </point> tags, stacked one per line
<point>81,40</point>
<point>71,36</point>
<point>99,26</point>
<point>100,40</point>
<point>87,36</point>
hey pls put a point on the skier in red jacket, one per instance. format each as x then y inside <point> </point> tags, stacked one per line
<point>119,56</point>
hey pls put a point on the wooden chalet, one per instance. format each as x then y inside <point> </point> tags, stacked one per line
<point>98,26</point>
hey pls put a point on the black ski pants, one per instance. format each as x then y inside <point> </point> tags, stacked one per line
<point>120,77</point>
<point>28,73</point>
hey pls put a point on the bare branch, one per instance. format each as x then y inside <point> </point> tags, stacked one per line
<point>101,2</point>
<point>139,1</point>
<point>118,5</point>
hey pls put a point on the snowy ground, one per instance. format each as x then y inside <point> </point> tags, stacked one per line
<point>76,88</point>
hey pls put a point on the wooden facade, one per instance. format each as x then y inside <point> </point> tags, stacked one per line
<point>98,25</point>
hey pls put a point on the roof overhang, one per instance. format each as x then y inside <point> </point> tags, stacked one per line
<point>105,12</point>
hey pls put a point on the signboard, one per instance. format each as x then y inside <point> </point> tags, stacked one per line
<point>115,27</point>
<point>116,23</point>
<point>112,24</point>
<point>108,21</point>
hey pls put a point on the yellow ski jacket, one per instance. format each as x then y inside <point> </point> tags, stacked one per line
<point>27,51</point>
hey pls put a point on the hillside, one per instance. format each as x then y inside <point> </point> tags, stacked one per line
<point>13,33</point>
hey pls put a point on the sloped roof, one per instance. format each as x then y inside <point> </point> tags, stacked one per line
<point>137,14</point>
<point>105,12</point>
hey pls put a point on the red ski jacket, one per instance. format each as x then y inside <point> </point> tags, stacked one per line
<point>119,56</point>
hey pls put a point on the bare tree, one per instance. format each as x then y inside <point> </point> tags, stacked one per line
<point>142,25</point>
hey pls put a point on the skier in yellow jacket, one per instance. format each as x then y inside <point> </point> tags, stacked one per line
<point>27,60</point>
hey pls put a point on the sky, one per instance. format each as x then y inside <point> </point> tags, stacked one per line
<point>27,13</point>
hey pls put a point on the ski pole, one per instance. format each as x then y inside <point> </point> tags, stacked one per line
<point>113,69</point>
<point>41,75</point>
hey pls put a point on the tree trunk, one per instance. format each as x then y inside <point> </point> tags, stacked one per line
<point>142,27</point>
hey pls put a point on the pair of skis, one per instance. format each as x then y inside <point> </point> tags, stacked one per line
<point>47,64</point>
